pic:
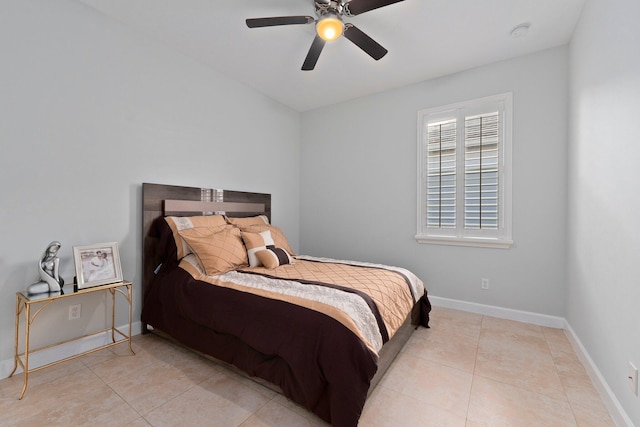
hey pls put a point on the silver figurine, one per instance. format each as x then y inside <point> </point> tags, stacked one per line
<point>48,266</point>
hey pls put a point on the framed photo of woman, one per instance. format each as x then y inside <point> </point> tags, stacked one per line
<point>97,264</point>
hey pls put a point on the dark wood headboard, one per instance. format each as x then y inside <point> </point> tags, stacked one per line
<point>160,200</point>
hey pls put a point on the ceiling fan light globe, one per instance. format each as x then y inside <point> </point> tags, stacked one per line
<point>329,29</point>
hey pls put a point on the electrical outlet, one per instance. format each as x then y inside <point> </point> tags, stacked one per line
<point>485,283</point>
<point>633,378</point>
<point>74,311</point>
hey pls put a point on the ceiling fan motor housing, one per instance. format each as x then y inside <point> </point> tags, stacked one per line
<point>330,7</point>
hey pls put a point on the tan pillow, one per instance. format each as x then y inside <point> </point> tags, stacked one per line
<point>279,239</point>
<point>255,242</point>
<point>246,222</point>
<point>178,223</point>
<point>217,250</point>
<point>274,257</point>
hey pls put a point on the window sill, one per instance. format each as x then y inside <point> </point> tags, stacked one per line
<point>468,241</point>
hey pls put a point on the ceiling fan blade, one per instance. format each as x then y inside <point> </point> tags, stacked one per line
<point>278,20</point>
<point>364,42</point>
<point>356,7</point>
<point>313,55</point>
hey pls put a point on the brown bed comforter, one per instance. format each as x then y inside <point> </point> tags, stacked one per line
<point>319,356</point>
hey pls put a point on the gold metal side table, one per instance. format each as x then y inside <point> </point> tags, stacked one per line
<point>26,303</point>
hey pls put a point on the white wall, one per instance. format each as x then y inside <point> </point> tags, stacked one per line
<point>88,111</point>
<point>604,197</point>
<point>358,175</point>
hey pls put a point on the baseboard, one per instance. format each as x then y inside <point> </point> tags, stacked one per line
<point>503,313</point>
<point>616,411</point>
<point>63,351</point>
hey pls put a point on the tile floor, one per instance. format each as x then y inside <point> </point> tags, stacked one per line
<point>468,370</point>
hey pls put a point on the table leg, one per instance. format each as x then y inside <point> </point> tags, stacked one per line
<point>130,296</point>
<point>113,314</point>
<point>27,315</point>
<point>15,354</point>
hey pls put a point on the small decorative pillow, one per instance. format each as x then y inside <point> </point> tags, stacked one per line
<point>256,242</point>
<point>178,223</point>
<point>279,239</point>
<point>217,251</point>
<point>246,222</point>
<point>274,257</point>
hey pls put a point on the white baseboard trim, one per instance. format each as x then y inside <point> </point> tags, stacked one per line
<point>618,414</point>
<point>65,350</point>
<point>503,313</point>
<point>616,411</point>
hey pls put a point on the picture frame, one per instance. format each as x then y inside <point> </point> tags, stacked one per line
<point>97,264</point>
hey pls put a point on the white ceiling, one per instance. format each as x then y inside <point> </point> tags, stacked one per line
<point>425,39</point>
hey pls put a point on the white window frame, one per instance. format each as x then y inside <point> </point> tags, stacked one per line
<point>502,236</point>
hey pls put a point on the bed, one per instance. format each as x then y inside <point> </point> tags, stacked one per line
<point>221,278</point>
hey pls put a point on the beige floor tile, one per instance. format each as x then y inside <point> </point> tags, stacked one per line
<point>497,404</point>
<point>11,387</point>
<point>275,415</point>
<point>158,372</point>
<point>387,408</point>
<point>100,356</point>
<point>580,390</point>
<point>292,406</point>
<point>113,370</point>
<point>448,347</point>
<point>517,340</point>
<point>431,383</point>
<point>522,360</point>
<point>512,326</point>
<point>77,399</point>
<point>569,364</point>
<point>91,408</point>
<point>446,318</point>
<point>114,353</point>
<point>251,382</point>
<point>153,386</point>
<point>138,422</point>
<point>564,356</point>
<point>222,401</point>
<point>558,341</point>
<point>592,416</point>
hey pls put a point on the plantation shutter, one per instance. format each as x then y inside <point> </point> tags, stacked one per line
<point>481,179</point>
<point>464,173</point>
<point>441,174</point>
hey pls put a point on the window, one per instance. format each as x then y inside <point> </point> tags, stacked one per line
<point>464,173</point>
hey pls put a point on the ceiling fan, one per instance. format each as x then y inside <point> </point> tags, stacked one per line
<point>330,26</point>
